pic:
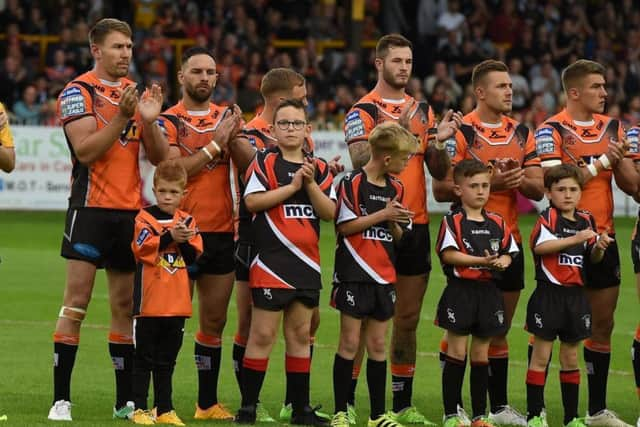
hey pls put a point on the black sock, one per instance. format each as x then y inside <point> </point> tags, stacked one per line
<point>597,358</point>
<point>64,357</point>
<point>498,374</point>
<point>355,373</point>
<point>570,388</point>
<point>122,359</point>
<point>297,369</point>
<point>479,382</point>
<point>207,359</point>
<point>311,343</point>
<point>402,385</point>
<point>376,381</point>
<point>342,369</point>
<point>535,393</point>
<point>635,358</point>
<point>238,355</point>
<point>253,372</point>
<point>452,377</point>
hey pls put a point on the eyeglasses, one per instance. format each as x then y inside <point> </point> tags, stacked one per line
<point>297,124</point>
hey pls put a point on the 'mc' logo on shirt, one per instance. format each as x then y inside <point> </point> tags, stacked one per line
<point>377,233</point>
<point>570,260</point>
<point>299,211</point>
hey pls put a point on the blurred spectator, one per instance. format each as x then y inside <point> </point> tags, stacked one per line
<point>350,72</point>
<point>463,63</point>
<point>414,88</point>
<point>467,104</point>
<point>28,111</point>
<point>632,117</point>
<point>521,91</point>
<point>441,75</point>
<point>36,24</point>
<point>505,26</point>
<point>439,100</point>
<point>249,97</point>
<point>12,78</point>
<point>547,84</point>
<point>452,21</point>
<point>59,73</point>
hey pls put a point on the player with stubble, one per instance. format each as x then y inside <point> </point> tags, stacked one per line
<point>388,101</point>
<point>106,124</point>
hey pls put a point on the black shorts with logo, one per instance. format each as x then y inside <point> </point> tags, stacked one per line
<point>606,273</point>
<point>100,236</point>
<point>243,255</point>
<point>469,307</point>
<point>559,311</point>
<point>364,299</point>
<point>635,247</point>
<point>217,257</point>
<point>413,256</point>
<point>513,277</point>
<point>278,299</point>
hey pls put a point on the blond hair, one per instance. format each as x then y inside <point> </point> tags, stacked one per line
<point>390,138</point>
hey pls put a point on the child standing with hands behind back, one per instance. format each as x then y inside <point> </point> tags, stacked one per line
<point>561,240</point>
<point>165,242</point>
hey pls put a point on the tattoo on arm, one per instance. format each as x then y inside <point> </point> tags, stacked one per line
<point>359,153</point>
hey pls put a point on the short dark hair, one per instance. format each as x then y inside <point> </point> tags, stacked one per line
<point>105,26</point>
<point>391,40</point>
<point>170,171</point>
<point>481,70</point>
<point>193,51</point>
<point>468,168</point>
<point>295,103</point>
<point>574,73</point>
<point>560,172</point>
<point>278,80</point>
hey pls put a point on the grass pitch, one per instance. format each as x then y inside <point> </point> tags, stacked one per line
<point>32,276</point>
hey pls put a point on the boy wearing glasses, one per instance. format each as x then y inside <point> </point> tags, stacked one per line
<point>288,192</point>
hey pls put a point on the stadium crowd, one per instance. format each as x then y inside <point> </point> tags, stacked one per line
<point>535,38</point>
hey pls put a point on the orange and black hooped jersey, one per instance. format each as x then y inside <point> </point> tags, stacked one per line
<point>372,110</point>
<point>473,238</point>
<point>259,136</point>
<point>560,139</point>
<point>367,256</point>
<point>286,236</point>
<point>208,196</point>
<point>112,181</point>
<point>562,268</point>
<point>488,142</point>
<point>161,284</point>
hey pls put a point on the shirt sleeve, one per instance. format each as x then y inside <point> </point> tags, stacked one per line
<point>168,127</point>
<point>324,179</point>
<point>146,242</point>
<point>357,126</point>
<point>256,176</point>
<point>345,207</point>
<point>447,236</point>
<point>632,139</point>
<point>509,245</point>
<point>74,102</point>
<point>6,138</point>
<point>531,157</point>
<point>548,146</point>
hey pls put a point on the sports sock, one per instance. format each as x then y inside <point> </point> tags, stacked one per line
<point>570,388</point>
<point>376,381</point>
<point>597,357</point>
<point>65,348</point>
<point>207,352</point>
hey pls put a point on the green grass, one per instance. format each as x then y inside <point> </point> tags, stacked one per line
<point>32,277</point>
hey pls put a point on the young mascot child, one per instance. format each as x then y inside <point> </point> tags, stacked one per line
<point>370,222</point>
<point>475,246</point>
<point>561,240</point>
<point>289,192</point>
<point>165,242</point>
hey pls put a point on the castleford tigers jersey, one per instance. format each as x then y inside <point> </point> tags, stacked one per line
<point>488,142</point>
<point>561,268</point>
<point>473,238</point>
<point>208,196</point>
<point>367,256</point>
<point>259,136</point>
<point>161,284</point>
<point>560,139</point>
<point>286,236</point>
<point>112,181</point>
<point>372,110</point>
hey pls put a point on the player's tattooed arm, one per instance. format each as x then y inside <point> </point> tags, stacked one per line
<point>438,162</point>
<point>532,186</point>
<point>359,153</point>
<point>626,176</point>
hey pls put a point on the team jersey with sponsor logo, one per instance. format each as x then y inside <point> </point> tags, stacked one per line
<point>473,238</point>
<point>367,256</point>
<point>259,136</point>
<point>161,284</point>
<point>286,236</point>
<point>372,110</point>
<point>633,134</point>
<point>562,268</point>
<point>6,138</point>
<point>208,196</point>
<point>560,139</point>
<point>488,142</point>
<point>112,181</point>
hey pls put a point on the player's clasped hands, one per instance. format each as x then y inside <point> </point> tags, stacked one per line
<point>496,261</point>
<point>181,233</point>
<point>585,235</point>
<point>149,105</point>
<point>506,180</point>
<point>449,124</point>
<point>604,240</point>
<point>308,171</point>
<point>229,127</point>
<point>396,212</point>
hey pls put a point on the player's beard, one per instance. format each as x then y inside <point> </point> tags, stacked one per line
<point>389,79</point>
<point>198,95</point>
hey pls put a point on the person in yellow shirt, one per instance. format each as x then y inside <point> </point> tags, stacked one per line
<point>7,153</point>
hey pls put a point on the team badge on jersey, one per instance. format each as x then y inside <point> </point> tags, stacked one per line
<point>353,125</point>
<point>632,139</point>
<point>171,262</point>
<point>72,103</point>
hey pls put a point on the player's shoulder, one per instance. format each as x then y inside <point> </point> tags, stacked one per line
<point>368,105</point>
<point>175,110</point>
<point>353,176</point>
<point>495,217</point>
<point>585,214</point>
